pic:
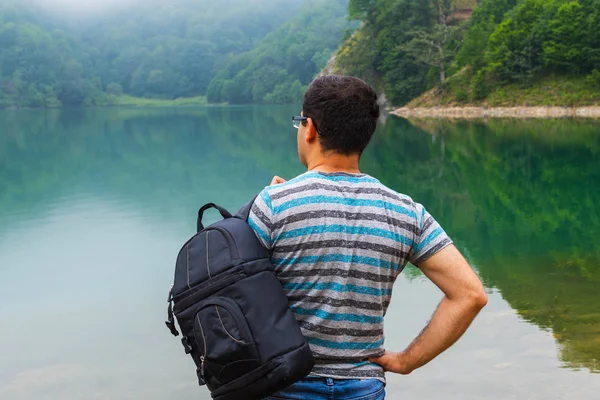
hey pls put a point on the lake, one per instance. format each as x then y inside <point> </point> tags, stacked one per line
<point>95,204</point>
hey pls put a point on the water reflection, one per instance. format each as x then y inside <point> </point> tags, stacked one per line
<point>161,162</point>
<point>95,204</point>
<point>521,198</point>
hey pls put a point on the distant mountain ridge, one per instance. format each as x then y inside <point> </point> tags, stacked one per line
<point>163,50</point>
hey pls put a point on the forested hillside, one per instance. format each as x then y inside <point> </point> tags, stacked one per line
<point>494,52</point>
<point>280,67</point>
<point>164,50</point>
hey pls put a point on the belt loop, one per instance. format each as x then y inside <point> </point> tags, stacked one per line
<point>329,381</point>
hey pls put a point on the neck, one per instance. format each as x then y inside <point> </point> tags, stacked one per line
<point>334,162</point>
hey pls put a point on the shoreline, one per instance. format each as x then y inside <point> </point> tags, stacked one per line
<point>124,101</point>
<point>497,112</point>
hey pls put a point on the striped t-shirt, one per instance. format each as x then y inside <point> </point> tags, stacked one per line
<point>338,243</point>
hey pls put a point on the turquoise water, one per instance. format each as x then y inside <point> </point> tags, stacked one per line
<point>95,204</point>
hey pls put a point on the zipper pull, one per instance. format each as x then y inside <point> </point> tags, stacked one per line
<point>202,381</point>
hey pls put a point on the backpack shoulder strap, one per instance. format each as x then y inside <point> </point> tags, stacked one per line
<point>244,212</point>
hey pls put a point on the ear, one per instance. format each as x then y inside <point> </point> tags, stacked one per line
<point>311,131</point>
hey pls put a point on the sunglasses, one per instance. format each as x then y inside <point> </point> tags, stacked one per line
<point>298,119</point>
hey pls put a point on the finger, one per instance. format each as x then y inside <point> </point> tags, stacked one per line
<point>385,354</point>
<point>277,180</point>
<point>386,361</point>
<point>379,360</point>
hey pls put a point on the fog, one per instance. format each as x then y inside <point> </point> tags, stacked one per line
<point>93,7</point>
<point>86,6</point>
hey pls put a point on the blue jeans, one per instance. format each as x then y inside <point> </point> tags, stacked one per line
<point>315,388</point>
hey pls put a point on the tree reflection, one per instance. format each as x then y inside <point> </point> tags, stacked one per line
<point>521,199</point>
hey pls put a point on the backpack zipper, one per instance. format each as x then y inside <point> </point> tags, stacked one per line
<point>204,353</point>
<point>214,286</point>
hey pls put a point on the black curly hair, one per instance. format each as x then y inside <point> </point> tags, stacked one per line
<point>345,111</point>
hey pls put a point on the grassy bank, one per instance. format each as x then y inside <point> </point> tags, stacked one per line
<point>130,101</point>
<point>563,91</point>
<point>125,101</point>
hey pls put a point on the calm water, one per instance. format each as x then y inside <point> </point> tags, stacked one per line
<point>94,206</point>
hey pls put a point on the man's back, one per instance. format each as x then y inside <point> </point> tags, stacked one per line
<point>340,238</point>
<point>338,242</point>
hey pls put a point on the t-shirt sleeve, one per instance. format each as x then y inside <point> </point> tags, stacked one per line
<point>261,219</point>
<point>429,237</point>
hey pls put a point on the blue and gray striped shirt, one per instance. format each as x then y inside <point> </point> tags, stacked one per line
<point>338,242</point>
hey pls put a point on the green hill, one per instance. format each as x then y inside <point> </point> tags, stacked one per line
<point>285,61</point>
<point>163,51</point>
<point>488,52</point>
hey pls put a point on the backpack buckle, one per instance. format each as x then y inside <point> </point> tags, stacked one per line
<point>172,328</point>
<point>170,318</point>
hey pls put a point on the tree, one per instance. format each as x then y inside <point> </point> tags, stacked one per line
<point>73,90</point>
<point>566,48</point>
<point>436,48</point>
<point>114,89</point>
<point>358,9</point>
<point>156,81</point>
<point>485,18</point>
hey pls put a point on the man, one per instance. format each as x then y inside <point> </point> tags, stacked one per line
<point>339,239</point>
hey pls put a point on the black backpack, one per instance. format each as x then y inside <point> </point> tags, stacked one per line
<point>233,313</point>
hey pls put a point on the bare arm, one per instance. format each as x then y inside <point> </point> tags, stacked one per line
<point>464,298</point>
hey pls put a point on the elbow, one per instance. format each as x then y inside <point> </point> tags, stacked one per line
<point>472,299</point>
<point>478,299</point>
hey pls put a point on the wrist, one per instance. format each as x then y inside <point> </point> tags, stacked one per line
<point>404,363</point>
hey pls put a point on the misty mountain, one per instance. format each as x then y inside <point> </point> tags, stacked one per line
<point>62,56</point>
